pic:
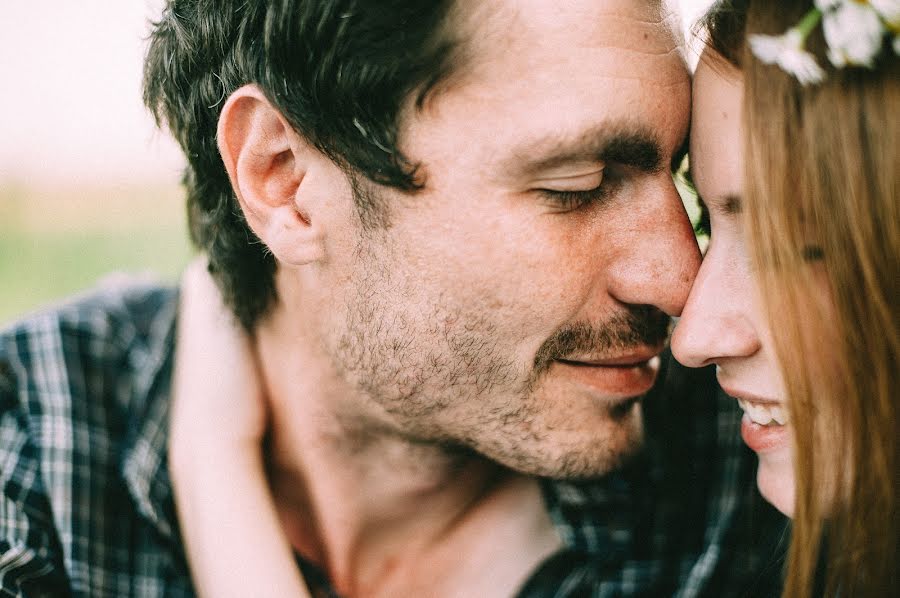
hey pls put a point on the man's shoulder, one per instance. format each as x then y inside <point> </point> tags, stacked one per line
<point>115,329</point>
<point>88,367</point>
<point>83,396</point>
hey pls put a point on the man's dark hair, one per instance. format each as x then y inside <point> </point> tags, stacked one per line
<point>338,70</point>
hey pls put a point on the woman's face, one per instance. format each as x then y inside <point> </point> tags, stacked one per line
<point>723,322</point>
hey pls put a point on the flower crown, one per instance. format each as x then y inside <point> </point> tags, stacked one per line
<point>854,32</point>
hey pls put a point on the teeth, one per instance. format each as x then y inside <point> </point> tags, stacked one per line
<point>764,415</point>
<point>780,415</point>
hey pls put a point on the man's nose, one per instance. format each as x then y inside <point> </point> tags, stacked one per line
<point>660,258</point>
<point>717,322</point>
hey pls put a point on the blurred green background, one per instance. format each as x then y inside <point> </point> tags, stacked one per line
<point>55,242</point>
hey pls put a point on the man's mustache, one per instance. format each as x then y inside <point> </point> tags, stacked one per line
<point>638,327</point>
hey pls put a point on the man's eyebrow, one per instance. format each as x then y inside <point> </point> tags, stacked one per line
<point>629,146</point>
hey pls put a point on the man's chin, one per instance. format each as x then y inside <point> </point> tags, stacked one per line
<point>581,451</point>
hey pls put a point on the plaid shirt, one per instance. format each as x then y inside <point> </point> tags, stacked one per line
<point>87,510</point>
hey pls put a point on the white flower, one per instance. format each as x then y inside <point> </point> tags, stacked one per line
<point>826,5</point>
<point>897,45</point>
<point>787,52</point>
<point>889,11</point>
<point>854,34</point>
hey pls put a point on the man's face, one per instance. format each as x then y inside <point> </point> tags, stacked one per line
<point>516,305</point>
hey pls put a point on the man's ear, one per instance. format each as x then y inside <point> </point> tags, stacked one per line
<point>268,162</point>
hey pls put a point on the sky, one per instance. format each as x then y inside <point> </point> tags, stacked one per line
<point>70,108</point>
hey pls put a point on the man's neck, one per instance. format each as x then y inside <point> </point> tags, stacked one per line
<point>365,503</point>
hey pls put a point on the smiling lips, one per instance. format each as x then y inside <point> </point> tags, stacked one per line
<point>760,410</point>
<point>763,426</point>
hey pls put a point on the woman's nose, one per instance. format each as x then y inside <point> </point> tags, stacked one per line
<point>718,320</point>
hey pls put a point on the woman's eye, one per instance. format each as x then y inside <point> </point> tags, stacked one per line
<point>696,207</point>
<point>813,253</point>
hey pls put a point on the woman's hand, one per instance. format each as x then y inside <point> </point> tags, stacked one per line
<point>218,402</point>
<point>235,543</point>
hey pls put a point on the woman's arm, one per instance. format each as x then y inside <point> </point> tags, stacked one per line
<point>235,543</point>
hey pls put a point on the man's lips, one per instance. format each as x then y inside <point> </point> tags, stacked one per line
<point>621,376</point>
<point>617,362</point>
<point>634,357</point>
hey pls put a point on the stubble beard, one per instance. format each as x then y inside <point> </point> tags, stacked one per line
<point>415,361</point>
<point>443,380</point>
